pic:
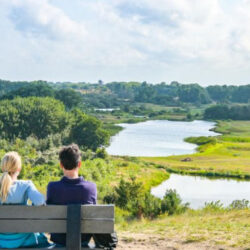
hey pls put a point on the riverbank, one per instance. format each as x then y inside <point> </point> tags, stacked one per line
<point>111,120</point>
<point>227,156</point>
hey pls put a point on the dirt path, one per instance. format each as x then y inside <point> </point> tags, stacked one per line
<point>140,241</point>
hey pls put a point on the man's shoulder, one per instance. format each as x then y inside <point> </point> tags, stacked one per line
<point>89,184</point>
<point>54,184</point>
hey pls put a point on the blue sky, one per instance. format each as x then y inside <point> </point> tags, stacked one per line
<point>206,41</point>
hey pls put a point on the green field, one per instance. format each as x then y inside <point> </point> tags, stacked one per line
<point>229,156</point>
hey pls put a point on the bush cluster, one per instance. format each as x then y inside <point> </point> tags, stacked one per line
<point>236,204</point>
<point>130,195</point>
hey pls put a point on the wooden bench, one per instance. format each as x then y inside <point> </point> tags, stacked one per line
<point>72,220</point>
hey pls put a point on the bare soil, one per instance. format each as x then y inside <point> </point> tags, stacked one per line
<point>142,241</point>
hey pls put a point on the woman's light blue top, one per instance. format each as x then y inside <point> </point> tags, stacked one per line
<point>22,191</point>
<point>19,194</point>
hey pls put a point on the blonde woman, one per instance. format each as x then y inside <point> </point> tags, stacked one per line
<point>14,191</point>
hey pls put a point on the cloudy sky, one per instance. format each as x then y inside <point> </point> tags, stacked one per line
<point>203,41</point>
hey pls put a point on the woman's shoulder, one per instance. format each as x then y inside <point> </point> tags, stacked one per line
<point>23,183</point>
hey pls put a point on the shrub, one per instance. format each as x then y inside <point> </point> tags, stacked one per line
<point>213,205</point>
<point>131,196</point>
<point>152,206</point>
<point>110,198</point>
<point>239,204</point>
<point>171,202</point>
<point>101,153</point>
<point>127,191</point>
<point>88,155</point>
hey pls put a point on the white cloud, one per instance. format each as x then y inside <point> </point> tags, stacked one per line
<point>39,17</point>
<point>120,39</point>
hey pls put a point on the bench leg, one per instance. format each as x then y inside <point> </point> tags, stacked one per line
<point>73,238</point>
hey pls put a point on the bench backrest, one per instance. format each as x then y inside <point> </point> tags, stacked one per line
<point>72,219</point>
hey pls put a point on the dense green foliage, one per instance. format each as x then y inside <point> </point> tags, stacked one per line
<point>87,131</point>
<point>22,117</point>
<point>69,97</point>
<point>163,94</point>
<point>235,112</point>
<point>116,94</point>
<point>222,94</point>
<point>43,117</point>
<point>7,86</point>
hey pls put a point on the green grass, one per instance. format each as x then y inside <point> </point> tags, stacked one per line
<point>146,173</point>
<point>227,228</point>
<point>228,156</point>
<point>234,128</point>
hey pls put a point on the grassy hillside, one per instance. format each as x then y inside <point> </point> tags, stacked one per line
<point>106,173</point>
<point>203,229</point>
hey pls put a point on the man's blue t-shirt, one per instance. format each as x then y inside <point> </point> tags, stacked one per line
<point>70,191</point>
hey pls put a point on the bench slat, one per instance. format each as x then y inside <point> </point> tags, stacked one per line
<point>26,226</point>
<point>54,212</point>
<point>33,212</point>
<point>55,226</point>
<point>98,211</point>
<point>98,227</point>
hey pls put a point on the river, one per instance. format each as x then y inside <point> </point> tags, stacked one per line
<point>158,138</point>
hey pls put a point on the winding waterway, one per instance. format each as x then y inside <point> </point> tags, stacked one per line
<point>197,190</point>
<point>165,138</point>
<point>158,138</point>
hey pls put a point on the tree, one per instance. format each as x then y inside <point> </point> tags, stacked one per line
<point>35,116</point>
<point>217,112</point>
<point>87,131</point>
<point>69,97</point>
<point>193,93</point>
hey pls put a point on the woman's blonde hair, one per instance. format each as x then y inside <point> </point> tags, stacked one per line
<point>11,163</point>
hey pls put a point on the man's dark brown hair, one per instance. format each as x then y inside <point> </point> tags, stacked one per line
<point>70,156</point>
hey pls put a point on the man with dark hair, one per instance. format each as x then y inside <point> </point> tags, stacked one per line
<point>72,189</point>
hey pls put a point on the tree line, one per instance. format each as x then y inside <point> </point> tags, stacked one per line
<point>222,112</point>
<point>117,93</point>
